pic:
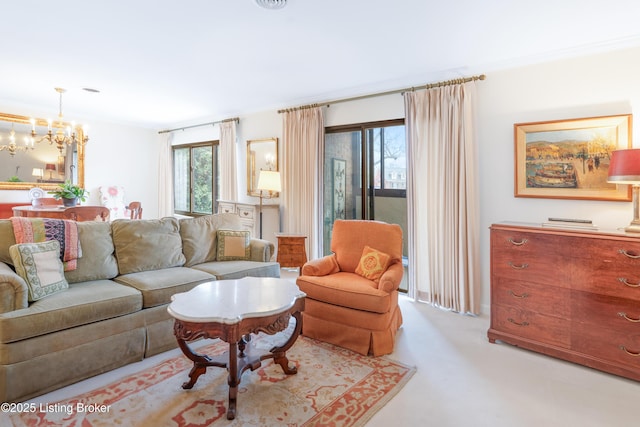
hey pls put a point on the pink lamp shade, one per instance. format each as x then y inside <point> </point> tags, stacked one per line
<point>624,167</point>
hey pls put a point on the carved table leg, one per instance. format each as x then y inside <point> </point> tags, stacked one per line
<point>200,363</point>
<point>279,353</point>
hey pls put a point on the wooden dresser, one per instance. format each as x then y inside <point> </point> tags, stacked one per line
<point>570,294</point>
<point>291,250</point>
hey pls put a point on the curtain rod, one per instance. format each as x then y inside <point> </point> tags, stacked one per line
<point>391,92</point>
<point>234,119</point>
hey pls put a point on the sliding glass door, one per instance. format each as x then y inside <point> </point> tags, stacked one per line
<point>365,175</point>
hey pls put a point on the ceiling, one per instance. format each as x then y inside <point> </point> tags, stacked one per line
<point>159,63</point>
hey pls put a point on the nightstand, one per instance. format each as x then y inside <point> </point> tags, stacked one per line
<point>291,250</point>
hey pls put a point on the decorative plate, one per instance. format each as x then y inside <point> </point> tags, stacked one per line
<point>36,193</point>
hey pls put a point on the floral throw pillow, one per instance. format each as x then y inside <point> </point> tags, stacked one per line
<point>233,245</point>
<point>373,263</point>
<point>40,266</point>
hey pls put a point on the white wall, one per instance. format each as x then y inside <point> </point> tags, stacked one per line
<point>599,85</point>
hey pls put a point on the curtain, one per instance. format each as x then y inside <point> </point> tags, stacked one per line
<point>442,197</point>
<point>228,166</point>
<point>303,145</point>
<point>165,177</point>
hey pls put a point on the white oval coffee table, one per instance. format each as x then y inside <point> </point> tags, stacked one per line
<point>232,310</point>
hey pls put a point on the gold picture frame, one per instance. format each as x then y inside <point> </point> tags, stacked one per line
<point>569,159</point>
<point>262,154</point>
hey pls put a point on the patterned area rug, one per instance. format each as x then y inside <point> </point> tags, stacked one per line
<point>333,387</point>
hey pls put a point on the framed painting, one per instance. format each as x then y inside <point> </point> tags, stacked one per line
<point>339,183</point>
<point>569,159</point>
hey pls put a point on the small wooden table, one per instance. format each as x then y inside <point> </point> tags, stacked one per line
<point>232,310</point>
<point>291,250</point>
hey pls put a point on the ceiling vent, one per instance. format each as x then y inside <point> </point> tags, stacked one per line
<point>271,4</point>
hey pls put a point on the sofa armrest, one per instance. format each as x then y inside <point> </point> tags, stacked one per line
<point>321,266</point>
<point>13,290</point>
<point>390,279</point>
<point>261,250</point>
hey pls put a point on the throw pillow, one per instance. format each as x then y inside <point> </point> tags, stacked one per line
<point>40,266</point>
<point>233,245</point>
<point>373,263</point>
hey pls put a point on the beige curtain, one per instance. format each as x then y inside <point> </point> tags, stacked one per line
<point>442,197</point>
<point>228,167</point>
<point>165,177</point>
<point>303,147</point>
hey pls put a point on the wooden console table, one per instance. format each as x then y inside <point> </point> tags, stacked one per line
<point>213,310</point>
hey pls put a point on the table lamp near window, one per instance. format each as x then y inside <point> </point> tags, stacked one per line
<point>624,168</point>
<point>268,181</point>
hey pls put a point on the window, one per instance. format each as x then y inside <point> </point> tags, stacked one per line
<point>195,178</point>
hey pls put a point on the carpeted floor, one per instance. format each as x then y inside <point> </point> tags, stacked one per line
<point>333,386</point>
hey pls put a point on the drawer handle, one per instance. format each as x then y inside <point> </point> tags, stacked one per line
<point>631,285</point>
<point>515,243</point>
<point>513,294</point>
<point>518,267</point>
<point>630,353</point>
<point>245,213</point>
<point>630,319</point>
<point>516,323</point>
<point>627,254</point>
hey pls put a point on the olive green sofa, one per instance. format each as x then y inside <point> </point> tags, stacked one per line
<point>114,310</point>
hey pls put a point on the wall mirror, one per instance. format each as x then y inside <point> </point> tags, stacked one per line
<point>262,154</point>
<point>27,162</point>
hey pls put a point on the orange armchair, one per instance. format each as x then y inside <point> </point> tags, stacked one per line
<point>344,308</point>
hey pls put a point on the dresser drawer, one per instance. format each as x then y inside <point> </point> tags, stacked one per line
<point>602,276</point>
<point>532,268</point>
<point>549,300</point>
<point>602,311</point>
<point>532,325</point>
<point>246,212</point>
<point>622,251</point>
<point>608,344</point>
<point>504,242</point>
<point>226,207</point>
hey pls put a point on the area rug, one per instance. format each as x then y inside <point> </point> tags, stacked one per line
<point>333,387</point>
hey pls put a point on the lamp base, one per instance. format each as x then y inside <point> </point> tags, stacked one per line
<point>633,227</point>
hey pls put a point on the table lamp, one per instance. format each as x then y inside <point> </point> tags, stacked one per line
<point>268,181</point>
<point>37,172</point>
<point>50,167</point>
<point>624,168</point>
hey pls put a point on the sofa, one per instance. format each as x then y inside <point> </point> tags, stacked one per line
<point>113,310</point>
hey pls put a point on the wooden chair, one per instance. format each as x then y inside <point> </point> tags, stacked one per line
<point>135,209</point>
<point>46,201</point>
<point>87,213</point>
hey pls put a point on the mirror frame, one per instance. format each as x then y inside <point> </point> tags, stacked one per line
<point>24,185</point>
<point>253,164</point>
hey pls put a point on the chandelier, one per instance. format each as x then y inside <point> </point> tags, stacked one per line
<point>12,147</point>
<point>64,134</point>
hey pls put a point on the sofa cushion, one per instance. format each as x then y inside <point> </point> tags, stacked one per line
<point>233,245</point>
<point>7,239</point>
<point>157,286</point>
<point>224,270</point>
<point>346,290</point>
<point>98,259</point>
<point>81,304</point>
<point>198,239</point>
<point>147,244</point>
<point>40,267</point>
